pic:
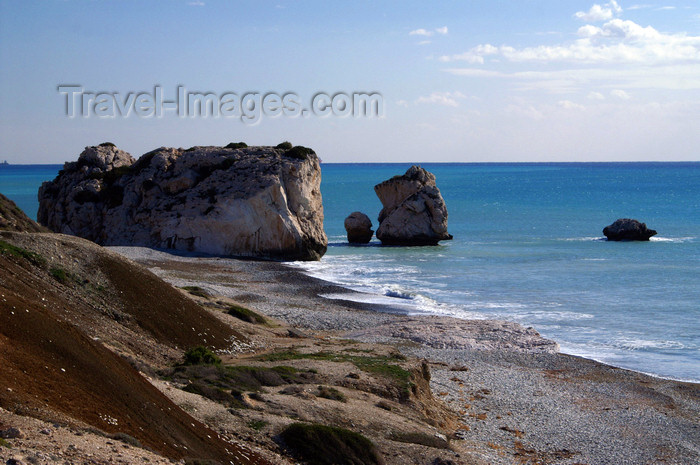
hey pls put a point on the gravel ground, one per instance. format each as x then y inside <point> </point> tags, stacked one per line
<point>519,400</point>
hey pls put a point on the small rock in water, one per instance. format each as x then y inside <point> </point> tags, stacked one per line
<point>626,229</point>
<point>359,228</point>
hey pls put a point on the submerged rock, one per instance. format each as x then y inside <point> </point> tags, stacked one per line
<point>626,229</point>
<point>261,202</point>
<point>359,228</point>
<point>414,211</point>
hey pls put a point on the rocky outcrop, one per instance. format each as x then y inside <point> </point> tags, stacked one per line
<point>359,228</point>
<point>626,229</point>
<point>262,202</point>
<point>414,212</point>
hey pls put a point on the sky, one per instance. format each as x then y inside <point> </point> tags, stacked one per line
<point>460,81</point>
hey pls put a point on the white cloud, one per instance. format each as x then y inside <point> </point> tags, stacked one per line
<point>600,13</point>
<point>524,110</point>
<point>665,8</point>
<point>449,99</point>
<point>617,41</point>
<point>424,42</point>
<point>426,33</point>
<point>569,105</point>
<point>402,103</point>
<point>621,94</point>
<point>639,6</point>
<point>677,77</point>
<point>197,3</point>
<point>420,32</point>
<point>595,96</point>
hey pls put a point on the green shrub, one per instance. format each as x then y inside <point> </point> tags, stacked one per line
<point>59,275</point>
<point>246,314</point>
<point>318,444</point>
<point>284,145</point>
<point>331,393</point>
<point>126,438</point>
<point>4,443</point>
<point>237,145</point>
<point>257,425</point>
<point>196,290</point>
<point>226,384</point>
<point>299,152</point>
<point>9,249</point>
<point>201,355</point>
<point>107,144</point>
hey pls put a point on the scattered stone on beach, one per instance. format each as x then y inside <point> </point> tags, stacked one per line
<point>359,228</point>
<point>262,202</point>
<point>453,333</point>
<point>414,211</point>
<point>626,229</point>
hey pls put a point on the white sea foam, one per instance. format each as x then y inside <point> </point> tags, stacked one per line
<point>672,239</point>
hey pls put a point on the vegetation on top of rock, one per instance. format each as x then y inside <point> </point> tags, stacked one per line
<point>246,314</point>
<point>237,145</point>
<point>286,145</point>
<point>299,152</point>
<point>226,384</point>
<point>377,364</point>
<point>196,290</point>
<point>201,355</point>
<point>107,144</point>
<point>318,444</point>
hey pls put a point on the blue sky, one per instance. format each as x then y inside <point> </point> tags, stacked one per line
<point>461,81</point>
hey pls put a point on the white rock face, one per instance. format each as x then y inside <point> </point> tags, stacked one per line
<point>414,211</point>
<point>260,202</point>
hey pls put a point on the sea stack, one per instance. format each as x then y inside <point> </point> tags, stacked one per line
<point>359,228</point>
<point>626,229</point>
<point>261,202</point>
<point>414,211</point>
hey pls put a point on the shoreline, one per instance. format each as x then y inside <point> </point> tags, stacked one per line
<point>516,397</point>
<point>594,358</point>
<point>318,287</point>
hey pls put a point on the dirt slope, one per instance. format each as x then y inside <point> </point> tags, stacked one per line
<point>49,364</point>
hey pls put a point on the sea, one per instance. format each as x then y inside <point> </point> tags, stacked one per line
<point>528,247</point>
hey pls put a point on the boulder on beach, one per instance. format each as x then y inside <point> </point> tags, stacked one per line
<point>359,228</point>
<point>261,202</point>
<point>626,229</point>
<point>414,211</point>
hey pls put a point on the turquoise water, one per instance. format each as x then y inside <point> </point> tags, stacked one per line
<point>21,184</point>
<point>527,247</point>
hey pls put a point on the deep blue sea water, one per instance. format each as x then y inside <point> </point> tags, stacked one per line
<point>528,248</point>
